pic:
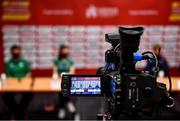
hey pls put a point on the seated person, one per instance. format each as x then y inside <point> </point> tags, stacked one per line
<point>73,87</point>
<point>63,64</point>
<point>90,87</point>
<point>97,87</point>
<point>163,64</point>
<point>81,86</point>
<point>17,67</point>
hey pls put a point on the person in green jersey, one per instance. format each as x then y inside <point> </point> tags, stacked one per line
<point>63,64</point>
<point>17,67</point>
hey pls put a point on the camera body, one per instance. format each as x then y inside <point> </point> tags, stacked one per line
<point>129,93</point>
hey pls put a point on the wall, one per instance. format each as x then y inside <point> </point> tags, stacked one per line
<point>40,26</point>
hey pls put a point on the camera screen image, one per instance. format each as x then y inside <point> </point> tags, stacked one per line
<point>85,86</point>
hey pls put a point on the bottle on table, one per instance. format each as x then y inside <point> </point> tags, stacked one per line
<point>54,81</point>
<point>161,75</point>
<point>3,79</point>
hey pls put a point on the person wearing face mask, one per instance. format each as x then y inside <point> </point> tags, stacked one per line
<point>17,67</point>
<point>63,64</point>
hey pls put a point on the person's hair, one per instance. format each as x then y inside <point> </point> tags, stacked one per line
<point>157,46</point>
<point>61,47</point>
<point>13,47</point>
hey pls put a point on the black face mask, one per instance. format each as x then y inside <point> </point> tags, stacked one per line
<point>63,55</point>
<point>15,55</point>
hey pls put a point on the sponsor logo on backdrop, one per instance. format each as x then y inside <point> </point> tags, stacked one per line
<point>149,12</point>
<point>16,10</point>
<point>63,12</point>
<point>93,11</point>
<point>175,11</point>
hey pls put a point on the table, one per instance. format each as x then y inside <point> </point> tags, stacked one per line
<point>175,83</point>
<point>45,84</point>
<point>38,84</point>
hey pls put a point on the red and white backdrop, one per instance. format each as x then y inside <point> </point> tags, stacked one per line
<point>40,26</point>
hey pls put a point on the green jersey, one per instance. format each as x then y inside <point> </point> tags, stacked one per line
<point>19,68</point>
<point>63,66</point>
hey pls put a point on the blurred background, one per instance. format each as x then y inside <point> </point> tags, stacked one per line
<point>39,27</point>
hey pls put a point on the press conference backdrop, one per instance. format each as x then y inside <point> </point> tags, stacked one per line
<point>40,26</point>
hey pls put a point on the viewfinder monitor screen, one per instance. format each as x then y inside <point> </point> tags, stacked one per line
<point>86,86</point>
